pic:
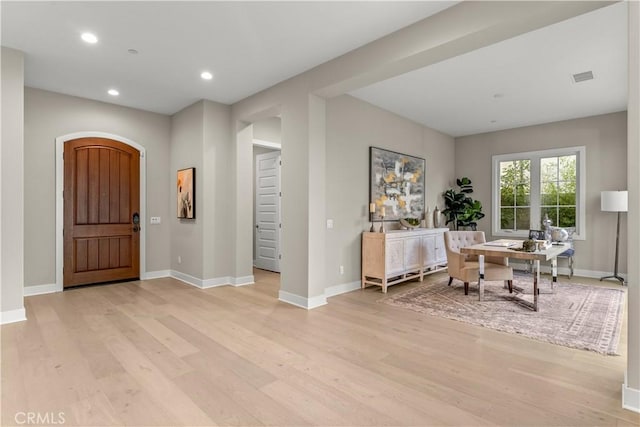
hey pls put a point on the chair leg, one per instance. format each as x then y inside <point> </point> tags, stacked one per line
<point>510,283</point>
<point>466,288</point>
<point>450,280</point>
<point>570,267</point>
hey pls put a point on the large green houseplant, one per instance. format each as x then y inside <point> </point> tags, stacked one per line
<point>460,209</point>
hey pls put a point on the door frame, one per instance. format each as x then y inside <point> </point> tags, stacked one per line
<point>60,201</point>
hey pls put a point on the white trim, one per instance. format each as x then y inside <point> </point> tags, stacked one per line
<point>12,316</point>
<point>343,288</point>
<point>159,274</point>
<point>49,288</point>
<point>302,302</point>
<point>213,282</point>
<point>60,202</point>
<point>267,144</point>
<point>243,281</point>
<point>630,397</point>
<point>535,156</point>
<point>186,278</point>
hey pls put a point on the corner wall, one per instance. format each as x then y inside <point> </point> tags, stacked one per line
<point>12,187</point>
<point>200,247</point>
<point>605,139</point>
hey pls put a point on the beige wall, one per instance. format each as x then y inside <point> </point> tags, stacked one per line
<point>49,115</point>
<point>352,127</point>
<point>632,396</point>
<point>605,139</point>
<point>217,191</point>
<point>268,129</point>
<point>12,184</point>
<point>201,138</point>
<point>186,152</point>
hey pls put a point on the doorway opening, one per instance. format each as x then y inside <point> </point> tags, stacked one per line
<point>267,202</point>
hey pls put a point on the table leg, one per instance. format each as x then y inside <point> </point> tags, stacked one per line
<point>536,279</point>
<point>554,271</point>
<point>505,285</point>
<point>481,277</point>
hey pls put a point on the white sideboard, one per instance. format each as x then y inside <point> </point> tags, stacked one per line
<point>399,255</point>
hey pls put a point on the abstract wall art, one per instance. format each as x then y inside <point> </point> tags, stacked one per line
<point>396,184</point>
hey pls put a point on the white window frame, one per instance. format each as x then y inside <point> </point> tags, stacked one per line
<point>535,220</point>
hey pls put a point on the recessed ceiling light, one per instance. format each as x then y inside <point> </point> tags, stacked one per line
<point>132,51</point>
<point>493,121</point>
<point>113,92</point>
<point>498,95</point>
<point>89,38</point>
<point>206,75</point>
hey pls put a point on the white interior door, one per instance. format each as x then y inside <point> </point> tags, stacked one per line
<point>267,210</point>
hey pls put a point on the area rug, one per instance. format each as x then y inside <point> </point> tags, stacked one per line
<point>572,315</point>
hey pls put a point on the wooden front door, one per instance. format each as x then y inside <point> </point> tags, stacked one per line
<point>101,211</point>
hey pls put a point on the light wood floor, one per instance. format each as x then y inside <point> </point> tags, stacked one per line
<point>160,352</point>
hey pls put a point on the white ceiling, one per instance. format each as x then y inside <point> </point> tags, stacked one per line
<point>522,81</point>
<point>248,46</point>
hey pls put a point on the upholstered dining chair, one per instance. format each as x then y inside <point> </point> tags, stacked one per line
<point>466,268</point>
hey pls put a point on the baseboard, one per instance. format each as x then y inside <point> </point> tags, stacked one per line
<point>343,288</point>
<point>630,397</point>
<point>186,278</point>
<point>12,316</point>
<point>49,288</point>
<point>212,283</point>
<point>302,302</point>
<point>149,275</point>
<point>243,281</point>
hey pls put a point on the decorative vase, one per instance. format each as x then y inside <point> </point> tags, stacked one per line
<point>436,217</point>
<point>428,218</point>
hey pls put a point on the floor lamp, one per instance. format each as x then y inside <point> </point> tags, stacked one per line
<point>614,201</point>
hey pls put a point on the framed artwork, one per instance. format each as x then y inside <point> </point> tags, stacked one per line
<point>396,184</point>
<point>186,186</point>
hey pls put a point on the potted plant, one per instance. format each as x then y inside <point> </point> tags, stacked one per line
<point>460,209</point>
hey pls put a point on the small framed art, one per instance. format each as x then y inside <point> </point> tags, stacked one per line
<point>186,186</point>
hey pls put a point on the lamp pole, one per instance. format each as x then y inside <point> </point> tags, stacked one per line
<point>615,201</point>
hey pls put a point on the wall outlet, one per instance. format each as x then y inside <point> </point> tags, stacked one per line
<point>342,269</point>
<point>155,220</point>
<point>179,259</point>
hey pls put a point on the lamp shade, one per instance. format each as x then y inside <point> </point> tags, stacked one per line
<point>614,201</point>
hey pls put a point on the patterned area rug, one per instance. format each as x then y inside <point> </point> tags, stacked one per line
<point>572,315</point>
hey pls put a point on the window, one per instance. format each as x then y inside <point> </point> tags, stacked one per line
<point>528,186</point>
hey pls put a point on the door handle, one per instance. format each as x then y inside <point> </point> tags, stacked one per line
<point>258,227</point>
<point>136,222</point>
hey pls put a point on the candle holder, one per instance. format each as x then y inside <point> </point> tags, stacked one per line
<point>381,223</point>
<point>372,229</point>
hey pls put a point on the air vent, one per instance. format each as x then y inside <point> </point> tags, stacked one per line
<point>583,77</point>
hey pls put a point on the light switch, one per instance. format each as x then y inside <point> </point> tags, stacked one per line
<point>155,220</point>
<point>329,223</point>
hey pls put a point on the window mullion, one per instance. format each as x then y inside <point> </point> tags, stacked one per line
<point>535,219</point>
